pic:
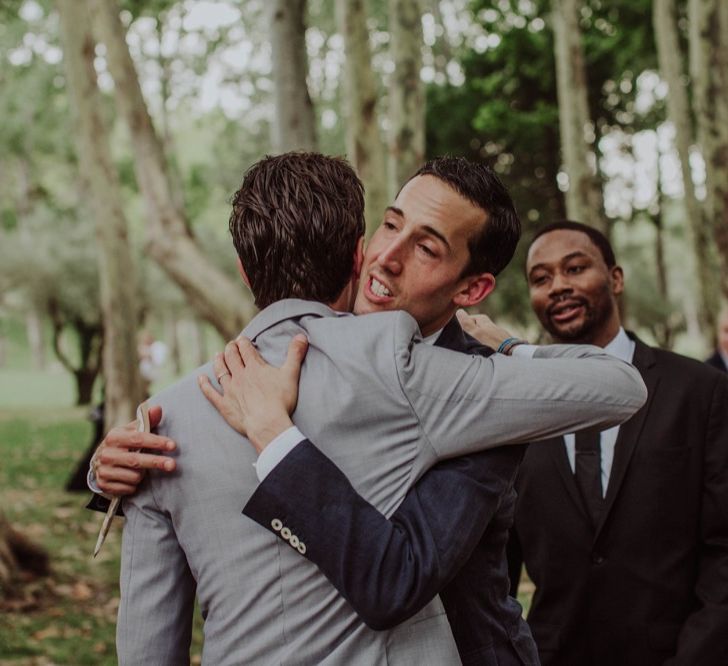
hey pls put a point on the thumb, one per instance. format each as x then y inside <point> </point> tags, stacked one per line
<point>464,319</point>
<point>296,353</point>
<point>155,416</point>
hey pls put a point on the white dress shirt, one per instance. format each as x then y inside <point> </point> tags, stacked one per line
<point>623,348</point>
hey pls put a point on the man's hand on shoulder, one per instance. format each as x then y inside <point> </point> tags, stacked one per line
<point>487,332</point>
<point>257,398</point>
<point>118,466</point>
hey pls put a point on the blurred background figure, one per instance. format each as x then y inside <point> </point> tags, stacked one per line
<point>152,355</point>
<point>719,359</point>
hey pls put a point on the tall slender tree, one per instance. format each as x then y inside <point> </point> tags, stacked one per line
<point>118,289</point>
<point>214,296</point>
<point>406,92</point>
<point>363,138</point>
<point>294,120</point>
<point>708,40</point>
<point>678,111</point>
<point>584,199</point>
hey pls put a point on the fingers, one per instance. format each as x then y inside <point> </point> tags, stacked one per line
<point>125,438</point>
<point>220,369</point>
<point>296,353</point>
<point>120,459</point>
<point>248,352</point>
<point>155,416</point>
<point>465,320</point>
<point>117,489</point>
<point>233,359</point>
<point>210,392</point>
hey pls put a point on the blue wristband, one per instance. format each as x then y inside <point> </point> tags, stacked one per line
<point>506,344</point>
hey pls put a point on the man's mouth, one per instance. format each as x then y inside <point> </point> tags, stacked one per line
<point>377,291</point>
<point>565,312</point>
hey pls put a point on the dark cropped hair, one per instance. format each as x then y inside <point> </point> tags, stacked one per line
<point>494,245</point>
<point>596,237</point>
<point>295,223</point>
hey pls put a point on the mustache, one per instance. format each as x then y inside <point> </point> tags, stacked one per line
<point>560,301</point>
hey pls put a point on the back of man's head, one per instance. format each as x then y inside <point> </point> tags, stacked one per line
<point>493,247</point>
<point>600,241</point>
<point>295,223</point>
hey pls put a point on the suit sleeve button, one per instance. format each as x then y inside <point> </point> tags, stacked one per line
<point>301,548</point>
<point>276,524</point>
<point>294,541</point>
<point>285,533</point>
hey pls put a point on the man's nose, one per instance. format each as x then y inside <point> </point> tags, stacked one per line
<point>391,257</point>
<point>559,285</point>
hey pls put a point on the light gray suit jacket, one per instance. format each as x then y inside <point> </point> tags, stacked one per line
<point>384,408</point>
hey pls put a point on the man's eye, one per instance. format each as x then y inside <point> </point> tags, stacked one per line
<point>388,225</point>
<point>427,250</point>
<point>575,269</point>
<point>538,279</point>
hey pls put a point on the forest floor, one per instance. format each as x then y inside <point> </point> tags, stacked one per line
<point>69,617</point>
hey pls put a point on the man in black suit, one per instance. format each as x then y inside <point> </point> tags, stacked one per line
<point>624,534</point>
<point>720,358</point>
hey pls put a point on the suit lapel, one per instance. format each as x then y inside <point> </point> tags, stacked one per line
<point>629,432</point>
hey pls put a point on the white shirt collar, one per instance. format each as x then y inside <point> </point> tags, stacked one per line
<point>431,339</point>
<point>621,346</point>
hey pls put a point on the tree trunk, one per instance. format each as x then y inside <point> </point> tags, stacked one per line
<point>216,297</point>
<point>678,111</point>
<point>584,201</point>
<point>17,554</point>
<point>708,21</point>
<point>363,139</point>
<point>124,389</point>
<point>406,93</point>
<point>294,121</point>
<point>171,334</point>
<point>36,340</point>
<point>90,344</point>
<point>663,331</point>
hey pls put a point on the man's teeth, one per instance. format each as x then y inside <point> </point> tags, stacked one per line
<point>379,289</point>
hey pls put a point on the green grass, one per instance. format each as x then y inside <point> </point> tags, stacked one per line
<point>69,617</point>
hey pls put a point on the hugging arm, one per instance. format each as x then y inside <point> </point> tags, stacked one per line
<point>387,569</point>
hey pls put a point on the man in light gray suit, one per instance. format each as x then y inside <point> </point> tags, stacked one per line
<point>380,404</point>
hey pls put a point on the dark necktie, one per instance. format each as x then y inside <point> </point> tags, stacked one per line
<point>588,471</point>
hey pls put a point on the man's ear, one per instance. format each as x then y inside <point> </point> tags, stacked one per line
<point>476,288</point>
<point>358,258</point>
<point>617,275</point>
<point>242,272</point>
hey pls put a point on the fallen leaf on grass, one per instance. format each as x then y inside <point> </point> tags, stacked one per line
<point>48,632</point>
<point>81,591</point>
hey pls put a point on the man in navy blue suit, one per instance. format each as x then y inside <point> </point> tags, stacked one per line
<point>420,260</point>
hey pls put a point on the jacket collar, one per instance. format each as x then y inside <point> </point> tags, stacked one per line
<point>289,308</point>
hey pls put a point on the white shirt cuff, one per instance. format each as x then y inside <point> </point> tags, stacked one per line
<point>278,449</point>
<point>93,486</point>
<point>524,351</point>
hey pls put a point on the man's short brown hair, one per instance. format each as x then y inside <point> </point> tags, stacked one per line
<point>295,223</point>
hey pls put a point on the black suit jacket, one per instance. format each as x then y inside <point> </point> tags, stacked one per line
<point>716,360</point>
<point>447,536</point>
<point>650,585</point>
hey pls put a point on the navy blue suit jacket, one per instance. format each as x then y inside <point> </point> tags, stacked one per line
<point>448,536</point>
